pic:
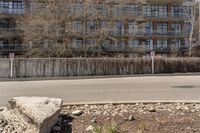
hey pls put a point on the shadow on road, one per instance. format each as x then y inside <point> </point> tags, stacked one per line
<point>185,87</point>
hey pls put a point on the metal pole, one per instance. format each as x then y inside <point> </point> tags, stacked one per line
<point>11,67</point>
<point>199,23</point>
<point>152,62</point>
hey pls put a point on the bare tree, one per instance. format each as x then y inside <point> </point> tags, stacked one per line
<point>192,18</point>
<point>47,28</point>
<point>51,27</point>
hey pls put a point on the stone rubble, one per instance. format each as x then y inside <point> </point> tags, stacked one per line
<point>77,112</point>
<point>90,128</point>
<point>30,115</point>
<point>120,109</point>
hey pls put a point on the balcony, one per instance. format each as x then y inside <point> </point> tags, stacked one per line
<point>164,34</point>
<point>4,32</point>
<point>11,11</point>
<point>165,1</point>
<point>10,47</point>
<point>10,30</point>
<point>173,17</point>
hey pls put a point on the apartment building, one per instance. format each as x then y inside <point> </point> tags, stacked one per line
<point>10,36</point>
<point>140,26</point>
<point>127,27</point>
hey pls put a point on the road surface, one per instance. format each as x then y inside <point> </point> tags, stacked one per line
<point>148,89</point>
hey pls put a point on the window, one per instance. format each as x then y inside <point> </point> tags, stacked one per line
<point>187,29</point>
<point>147,10</point>
<point>90,42</point>
<point>177,43</point>
<point>78,9</point>
<point>155,10</point>
<point>163,11</point>
<point>132,28</point>
<point>106,44</point>
<point>148,44</point>
<point>3,24</point>
<point>102,10</point>
<point>162,28</point>
<point>103,24</point>
<point>77,42</point>
<point>1,44</point>
<point>161,44</point>
<point>77,26</point>
<point>4,7</point>
<point>117,10</point>
<point>131,10</point>
<point>188,11</point>
<point>177,11</point>
<point>133,43</point>
<point>16,7</point>
<point>176,28</point>
<point>92,10</point>
<point>91,26</point>
<point>119,28</point>
<point>148,28</point>
<point>118,44</point>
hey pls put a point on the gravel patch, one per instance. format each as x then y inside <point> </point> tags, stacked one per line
<point>131,118</point>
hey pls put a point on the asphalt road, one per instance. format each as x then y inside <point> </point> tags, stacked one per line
<point>127,89</point>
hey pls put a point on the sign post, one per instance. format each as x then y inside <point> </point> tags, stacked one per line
<point>152,61</point>
<point>12,56</point>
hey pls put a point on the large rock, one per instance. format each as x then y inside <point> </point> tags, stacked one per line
<point>33,114</point>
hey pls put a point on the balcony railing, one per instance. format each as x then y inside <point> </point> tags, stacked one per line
<point>10,47</point>
<point>166,1</point>
<point>12,11</point>
<point>149,34</point>
<point>169,33</point>
<point>10,30</point>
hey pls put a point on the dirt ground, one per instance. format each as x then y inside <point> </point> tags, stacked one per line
<point>173,118</point>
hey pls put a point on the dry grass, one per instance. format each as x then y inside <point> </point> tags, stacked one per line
<point>99,66</point>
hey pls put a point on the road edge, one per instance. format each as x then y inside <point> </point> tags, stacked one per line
<point>95,77</point>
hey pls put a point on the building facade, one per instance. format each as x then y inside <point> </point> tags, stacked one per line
<point>128,27</point>
<point>162,26</point>
<point>10,36</point>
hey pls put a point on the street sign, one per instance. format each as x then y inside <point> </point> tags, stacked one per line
<point>12,55</point>
<point>153,53</point>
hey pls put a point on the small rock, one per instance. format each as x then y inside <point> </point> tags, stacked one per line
<point>2,117</point>
<point>77,112</point>
<point>2,109</point>
<point>65,121</point>
<point>131,118</point>
<point>107,119</point>
<point>94,120</point>
<point>56,128</point>
<point>126,119</point>
<point>90,128</point>
<point>86,105</point>
<point>188,128</point>
<point>152,109</point>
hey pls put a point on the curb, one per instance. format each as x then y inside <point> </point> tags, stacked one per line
<point>130,102</point>
<point>95,77</point>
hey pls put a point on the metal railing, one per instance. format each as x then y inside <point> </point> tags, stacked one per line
<point>10,47</point>
<point>12,11</point>
<point>9,30</point>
